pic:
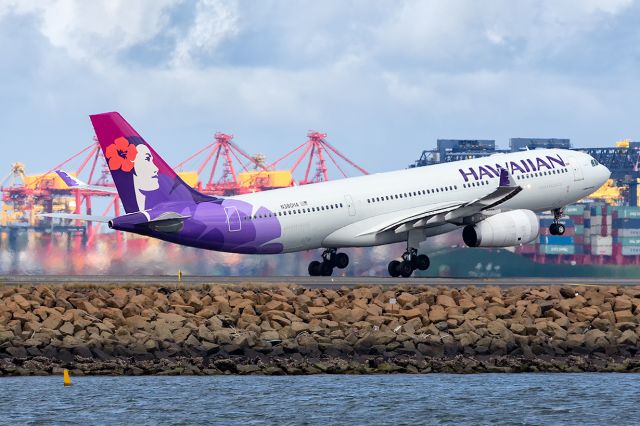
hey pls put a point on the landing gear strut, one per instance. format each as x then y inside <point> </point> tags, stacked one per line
<point>557,228</point>
<point>411,261</point>
<point>330,259</point>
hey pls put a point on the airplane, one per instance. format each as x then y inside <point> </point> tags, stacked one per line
<point>492,199</point>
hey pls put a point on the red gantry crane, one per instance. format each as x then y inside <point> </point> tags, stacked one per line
<point>46,192</point>
<point>316,147</point>
<point>223,175</point>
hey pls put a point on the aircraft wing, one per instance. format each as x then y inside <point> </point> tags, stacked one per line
<point>456,212</point>
<point>73,182</point>
<point>73,216</point>
<point>166,222</point>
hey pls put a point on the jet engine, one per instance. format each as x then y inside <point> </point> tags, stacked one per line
<point>503,230</point>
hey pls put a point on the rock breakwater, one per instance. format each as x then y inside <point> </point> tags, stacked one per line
<point>291,330</point>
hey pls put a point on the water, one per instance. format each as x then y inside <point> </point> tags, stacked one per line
<point>378,399</point>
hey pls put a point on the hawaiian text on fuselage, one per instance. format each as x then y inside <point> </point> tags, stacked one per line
<point>527,165</point>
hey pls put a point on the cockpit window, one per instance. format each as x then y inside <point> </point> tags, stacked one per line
<point>594,162</point>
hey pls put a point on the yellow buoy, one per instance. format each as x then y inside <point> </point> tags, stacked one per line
<point>67,379</point>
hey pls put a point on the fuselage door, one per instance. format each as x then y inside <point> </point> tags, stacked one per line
<point>233,219</point>
<point>577,172</point>
<point>350,206</point>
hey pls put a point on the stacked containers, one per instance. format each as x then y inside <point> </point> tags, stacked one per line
<point>570,243</point>
<point>600,219</point>
<point>625,230</point>
<point>610,233</point>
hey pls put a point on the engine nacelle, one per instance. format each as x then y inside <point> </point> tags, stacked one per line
<point>503,230</point>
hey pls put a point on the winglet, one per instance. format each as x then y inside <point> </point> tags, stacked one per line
<point>75,183</point>
<point>506,179</point>
<point>69,180</point>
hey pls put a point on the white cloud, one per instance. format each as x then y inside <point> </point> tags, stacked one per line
<point>461,30</point>
<point>97,32</point>
<point>366,72</point>
<point>94,32</point>
<point>215,21</point>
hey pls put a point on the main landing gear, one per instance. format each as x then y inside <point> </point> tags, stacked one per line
<point>330,259</point>
<point>557,228</point>
<point>411,261</point>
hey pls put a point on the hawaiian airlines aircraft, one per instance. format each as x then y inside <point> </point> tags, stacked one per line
<point>493,199</point>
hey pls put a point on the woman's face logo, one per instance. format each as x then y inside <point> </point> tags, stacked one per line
<point>146,172</point>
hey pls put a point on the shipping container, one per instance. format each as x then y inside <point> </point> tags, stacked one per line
<point>627,241</point>
<point>624,232</point>
<point>625,212</point>
<point>574,210</point>
<point>550,249</point>
<point>556,240</point>
<point>577,220</point>
<point>598,240</point>
<point>601,250</point>
<point>626,223</point>
<point>630,250</point>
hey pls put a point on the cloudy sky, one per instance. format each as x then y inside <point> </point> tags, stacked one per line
<point>384,79</point>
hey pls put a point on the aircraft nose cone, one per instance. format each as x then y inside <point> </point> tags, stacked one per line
<point>606,173</point>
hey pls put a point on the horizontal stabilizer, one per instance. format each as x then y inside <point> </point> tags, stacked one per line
<point>73,182</point>
<point>72,216</point>
<point>166,222</point>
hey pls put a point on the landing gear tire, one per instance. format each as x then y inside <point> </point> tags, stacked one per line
<point>422,262</point>
<point>330,260</point>
<point>314,268</point>
<point>326,269</point>
<point>557,229</point>
<point>341,260</point>
<point>405,269</point>
<point>394,268</point>
<point>411,261</point>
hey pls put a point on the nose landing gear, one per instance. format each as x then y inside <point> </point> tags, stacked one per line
<point>557,228</point>
<point>330,259</point>
<point>411,261</point>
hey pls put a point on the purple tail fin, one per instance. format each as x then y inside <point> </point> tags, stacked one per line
<point>142,177</point>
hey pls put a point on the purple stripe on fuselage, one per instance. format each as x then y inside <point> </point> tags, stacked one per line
<point>221,225</point>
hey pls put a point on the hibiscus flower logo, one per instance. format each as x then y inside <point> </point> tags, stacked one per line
<point>120,155</point>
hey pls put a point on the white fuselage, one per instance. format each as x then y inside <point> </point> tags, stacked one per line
<point>338,213</point>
